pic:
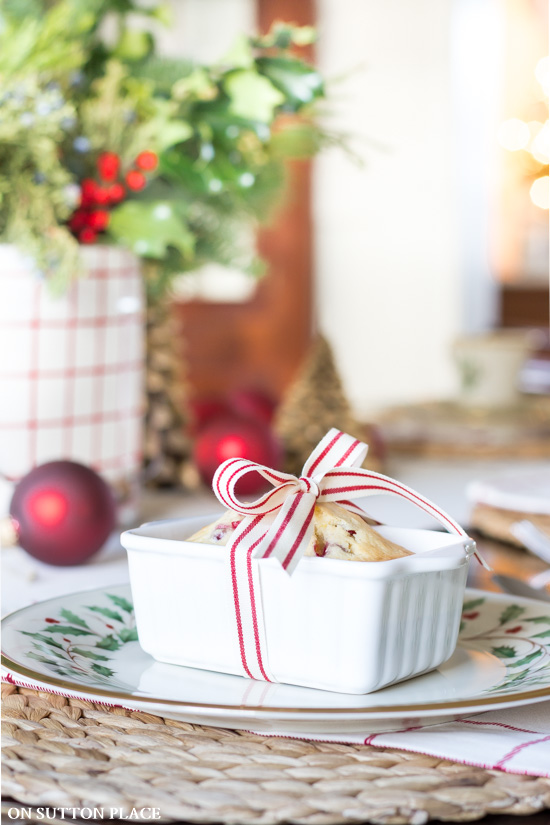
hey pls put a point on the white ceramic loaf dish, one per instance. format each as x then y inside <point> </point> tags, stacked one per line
<point>345,626</point>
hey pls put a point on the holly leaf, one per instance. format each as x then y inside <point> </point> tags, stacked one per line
<point>73,618</point>
<point>108,643</point>
<point>511,613</point>
<point>109,614</point>
<point>299,83</point>
<point>504,652</point>
<point>68,630</point>
<point>104,671</point>
<point>543,635</point>
<point>149,228</point>
<point>527,659</point>
<point>128,634</point>
<point>252,96</point>
<point>539,619</point>
<point>42,638</point>
<point>471,604</point>
<point>89,654</point>
<point>121,602</point>
<point>39,658</point>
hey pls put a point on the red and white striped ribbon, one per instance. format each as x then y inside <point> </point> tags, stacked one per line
<point>279,524</point>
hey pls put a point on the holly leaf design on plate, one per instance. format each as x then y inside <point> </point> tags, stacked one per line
<point>124,604</point>
<point>539,619</point>
<point>68,630</point>
<point>89,654</point>
<point>109,614</point>
<point>527,659</point>
<point>42,638</point>
<point>511,613</point>
<point>542,635</point>
<point>108,643</point>
<point>128,634</point>
<point>73,618</point>
<point>504,652</point>
<point>103,671</point>
<point>471,604</point>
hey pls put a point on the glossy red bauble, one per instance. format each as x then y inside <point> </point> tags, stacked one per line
<point>252,404</point>
<point>232,436</point>
<point>63,512</point>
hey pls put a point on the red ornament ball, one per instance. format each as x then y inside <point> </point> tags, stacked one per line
<point>63,512</point>
<point>252,403</point>
<point>232,436</point>
<point>147,161</point>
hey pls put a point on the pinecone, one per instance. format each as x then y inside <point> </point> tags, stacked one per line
<point>167,447</point>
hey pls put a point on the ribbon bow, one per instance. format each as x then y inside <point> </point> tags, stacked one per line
<point>279,524</point>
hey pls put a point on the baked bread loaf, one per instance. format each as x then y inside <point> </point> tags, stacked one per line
<point>337,534</point>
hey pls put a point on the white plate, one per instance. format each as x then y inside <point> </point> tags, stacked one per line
<point>85,645</point>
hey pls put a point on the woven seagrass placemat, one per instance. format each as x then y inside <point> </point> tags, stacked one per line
<point>69,753</point>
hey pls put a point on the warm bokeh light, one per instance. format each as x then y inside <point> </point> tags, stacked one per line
<point>542,73</point>
<point>539,192</point>
<point>540,145</point>
<point>514,134</point>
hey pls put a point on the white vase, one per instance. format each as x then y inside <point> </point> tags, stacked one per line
<point>71,370</point>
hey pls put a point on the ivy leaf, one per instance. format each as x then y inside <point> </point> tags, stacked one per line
<point>252,96</point>
<point>73,618</point>
<point>42,638</point>
<point>511,613</point>
<point>109,614</point>
<point>471,604</point>
<point>542,635</point>
<point>128,634</point>
<point>299,83</point>
<point>108,643</point>
<point>68,630</point>
<point>504,652</point>
<point>104,671</point>
<point>89,654</point>
<point>539,619</point>
<point>150,227</point>
<point>121,602</point>
<point>527,659</point>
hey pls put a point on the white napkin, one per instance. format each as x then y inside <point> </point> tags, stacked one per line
<point>516,740</point>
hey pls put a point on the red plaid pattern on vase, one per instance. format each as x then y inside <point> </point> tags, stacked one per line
<point>71,370</point>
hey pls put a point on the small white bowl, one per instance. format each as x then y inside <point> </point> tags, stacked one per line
<point>345,626</point>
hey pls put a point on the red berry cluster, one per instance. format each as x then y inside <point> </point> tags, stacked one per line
<point>97,197</point>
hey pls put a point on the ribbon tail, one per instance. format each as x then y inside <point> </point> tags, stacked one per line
<point>295,522</point>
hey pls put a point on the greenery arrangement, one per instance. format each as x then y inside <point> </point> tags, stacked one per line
<point>112,143</point>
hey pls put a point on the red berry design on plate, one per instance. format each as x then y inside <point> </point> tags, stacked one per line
<point>87,235</point>
<point>110,626</point>
<point>135,180</point>
<point>473,615</point>
<point>51,621</point>
<point>98,220</point>
<point>147,161</point>
<point>514,629</point>
<point>108,165</point>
